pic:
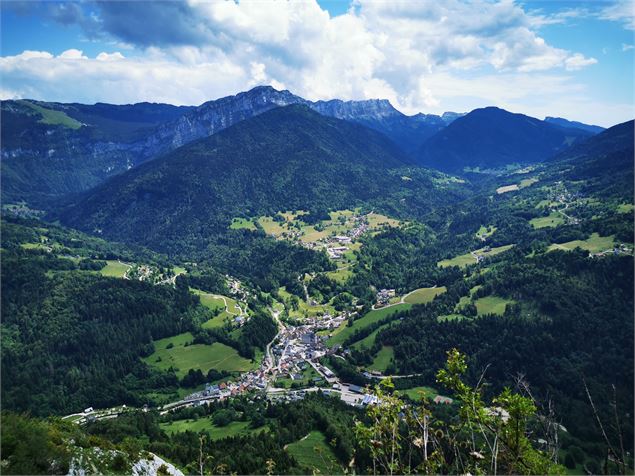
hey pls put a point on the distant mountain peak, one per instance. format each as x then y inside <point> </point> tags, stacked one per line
<point>559,121</point>
<point>491,137</point>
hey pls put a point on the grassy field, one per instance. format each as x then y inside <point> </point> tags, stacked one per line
<point>205,424</point>
<point>507,188</point>
<point>554,219</point>
<point>340,222</point>
<point>382,359</point>
<point>593,244</point>
<point>52,117</point>
<point>341,333</point>
<point>416,392</point>
<point>527,182</point>
<point>465,300</point>
<point>424,295</point>
<point>485,231</point>
<point>179,270</point>
<point>114,269</point>
<point>271,227</point>
<point>341,275</point>
<point>369,340</point>
<point>313,453</point>
<point>546,204</point>
<point>197,356</point>
<point>213,302</point>
<point>467,259</point>
<point>461,261</point>
<point>242,224</point>
<point>375,220</point>
<point>491,305</point>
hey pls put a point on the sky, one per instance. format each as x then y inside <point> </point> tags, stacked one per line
<point>571,59</point>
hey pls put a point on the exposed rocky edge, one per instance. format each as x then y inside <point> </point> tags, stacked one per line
<point>42,161</point>
<point>89,461</point>
<point>213,116</point>
<point>153,466</point>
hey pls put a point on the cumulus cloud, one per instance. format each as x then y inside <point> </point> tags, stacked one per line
<point>72,54</point>
<point>577,61</point>
<point>190,52</point>
<point>114,78</point>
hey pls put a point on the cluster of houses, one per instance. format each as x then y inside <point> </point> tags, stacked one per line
<point>384,296</point>
<point>617,250</point>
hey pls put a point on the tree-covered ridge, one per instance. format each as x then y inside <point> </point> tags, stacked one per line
<point>285,159</point>
<point>72,338</point>
<point>509,432</point>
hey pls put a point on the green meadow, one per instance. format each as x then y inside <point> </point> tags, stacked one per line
<point>491,305</point>
<point>551,221</point>
<point>184,357</point>
<point>467,259</point>
<point>341,333</point>
<point>114,269</point>
<point>382,359</point>
<point>424,295</point>
<point>314,453</point>
<point>205,424</point>
<point>594,244</point>
<point>52,117</point>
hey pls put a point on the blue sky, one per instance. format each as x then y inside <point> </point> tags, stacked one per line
<point>569,59</point>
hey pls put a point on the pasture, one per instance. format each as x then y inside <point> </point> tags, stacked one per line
<point>594,244</point>
<point>341,333</point>
<point>114,269</point>
<point>507,188</point>
<point>205,424</point>
<point>242,224</point>
<point>491,305</point>
<point>53,117</point>
<point>451,317</point>
<point>415,393</point>
<point>314,453</point>
<point>423,295</point>
<point>184,357</point>
<point>467,259</point>
<point>527,182</point>
<point>369,340</point>
<point>551,221</point>
<point>485,232</point>
<point>382,359</point>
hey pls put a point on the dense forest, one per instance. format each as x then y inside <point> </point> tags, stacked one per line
<point>72,338</point>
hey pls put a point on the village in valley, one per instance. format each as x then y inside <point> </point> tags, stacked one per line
<point>295,362</point>
<point>292,364</point>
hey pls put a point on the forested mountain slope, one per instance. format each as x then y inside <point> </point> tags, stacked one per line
<point>491,138</point>
<point>49,149</point>
<point>289,158</point>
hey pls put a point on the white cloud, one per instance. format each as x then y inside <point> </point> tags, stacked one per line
<point>626,47</point>
<point>621,11</point>
<point>412,53</point>
<point>114,78</point>
<point>72,54</point>
<point>577,61</point>
<point>109,56</point>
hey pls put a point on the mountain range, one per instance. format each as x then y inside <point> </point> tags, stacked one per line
<point>54,149</point>
<point>288,158</point>
<point>491,138</point>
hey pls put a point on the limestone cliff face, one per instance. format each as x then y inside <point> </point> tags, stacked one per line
<point>42,161</point>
